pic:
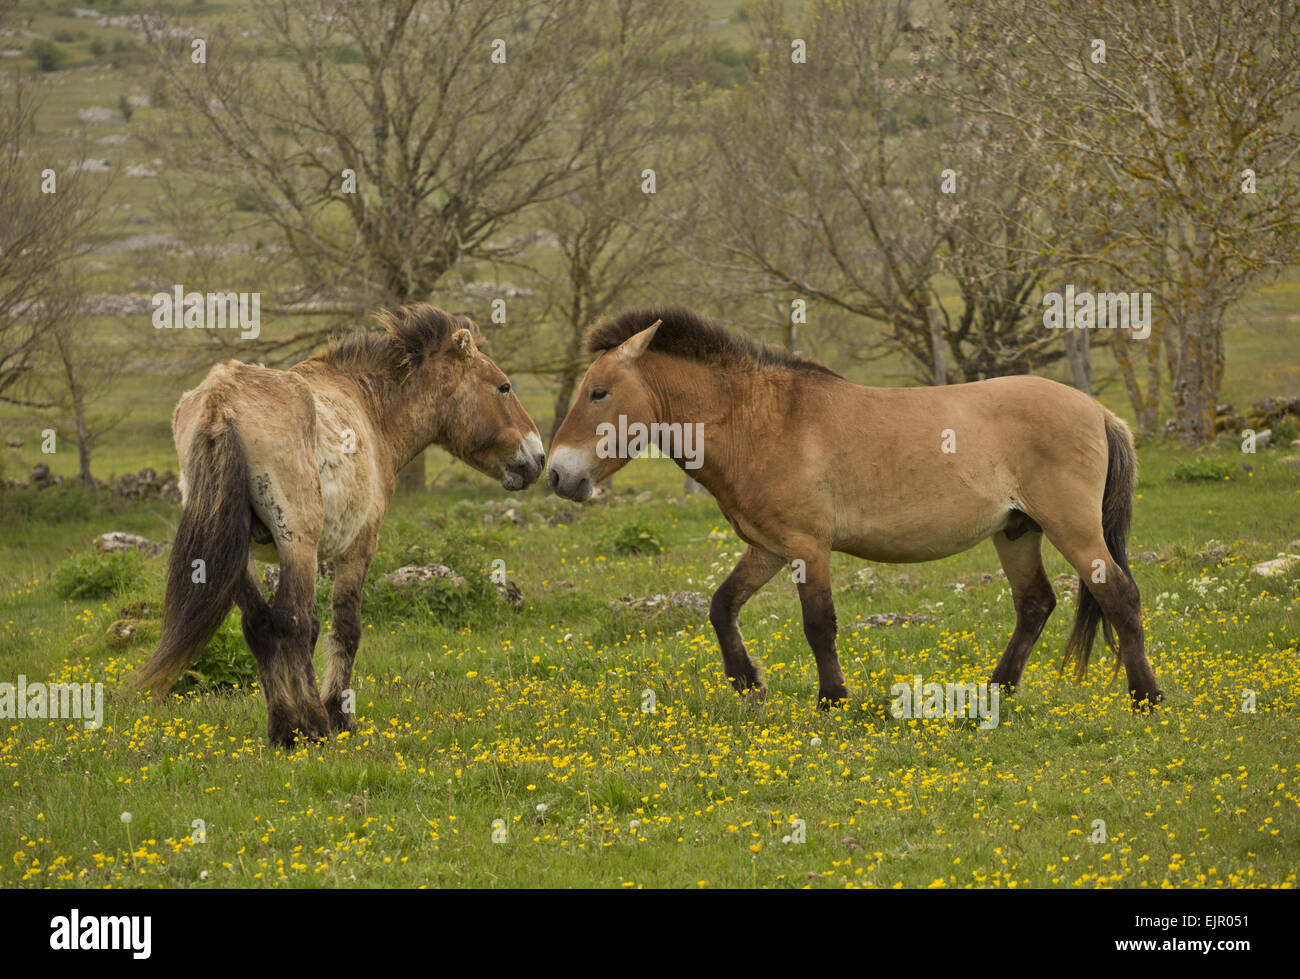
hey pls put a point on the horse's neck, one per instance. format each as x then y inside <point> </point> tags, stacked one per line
<point>409,428</point>
<point>738,414</point>
<point>406,421</point>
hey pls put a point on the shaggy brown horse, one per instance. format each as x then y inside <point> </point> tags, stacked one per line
<point>803,462</point>
<point>303,463</point>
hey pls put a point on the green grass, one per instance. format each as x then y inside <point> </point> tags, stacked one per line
<point>472,712</point>
<point>470,720</point>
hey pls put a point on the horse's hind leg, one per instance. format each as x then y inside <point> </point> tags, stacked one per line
<point>1022,560</point>
<point>259,632</point>
<point>1116,593</point>
<point>296,626</point>
<point>345,633</point>
<point>819,627</point>
<point>755,569</point>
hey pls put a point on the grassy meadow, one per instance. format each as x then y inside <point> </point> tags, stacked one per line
<point>575,741</point>
<point>540,718</point>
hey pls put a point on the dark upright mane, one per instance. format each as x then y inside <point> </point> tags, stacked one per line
<point>409,335</point>
<point>691,337</point>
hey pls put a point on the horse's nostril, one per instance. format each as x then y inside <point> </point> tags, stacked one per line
<point>553,479</point>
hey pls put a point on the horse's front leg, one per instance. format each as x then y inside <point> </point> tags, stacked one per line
<point>345,632</point>
<point>819,628</point>
<point>755,569</point>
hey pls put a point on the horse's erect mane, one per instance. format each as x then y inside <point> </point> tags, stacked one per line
<point>691,337</point>
<point>408,336</point>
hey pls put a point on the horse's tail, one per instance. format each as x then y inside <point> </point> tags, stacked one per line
<point>1116,516</point>
<point>209,556</point>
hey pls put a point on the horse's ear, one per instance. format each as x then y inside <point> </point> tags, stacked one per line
<point>463,341</point>
<point>480,341</point>
<point>637,344</point>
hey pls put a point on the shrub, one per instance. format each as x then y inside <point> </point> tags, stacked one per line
<point>636,538</point>
<point>49,56</point>
<point>158,91</point>
<point>442,601</point>
<point>1285,431</point>
<point>224,662</point>
<point>98,575</point>
<point>246,200</point>
<point>1204,469</point>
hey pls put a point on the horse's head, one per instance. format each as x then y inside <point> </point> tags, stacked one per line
<point>612,402</point>
<point>482,422</point>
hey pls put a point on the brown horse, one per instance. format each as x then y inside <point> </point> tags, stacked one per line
<point>803,462</point>
<point>303,463</point>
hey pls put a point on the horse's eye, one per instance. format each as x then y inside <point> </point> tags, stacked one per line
<point>504,388</point>
<point>599,394</point>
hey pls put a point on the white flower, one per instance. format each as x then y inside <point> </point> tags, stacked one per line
<point>126,817</point>
<point>816,742</point>
<point>541,807</point>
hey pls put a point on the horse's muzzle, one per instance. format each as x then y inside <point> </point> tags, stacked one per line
<point>567,478</point>
<point>526,468</point>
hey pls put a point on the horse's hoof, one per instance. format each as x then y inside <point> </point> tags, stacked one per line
<point>826,699</point>
<point>1144,702</point>
<point>1007,687</point>
<point>341,721</point>
<point>292,736</point>
<point>757,695</point>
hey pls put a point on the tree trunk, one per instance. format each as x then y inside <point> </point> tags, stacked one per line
<point>77,391</point>
<point>936,345</point>
<point>1148,418</point>
<point>563,395</point>
<point>572,365</point>
<point>1078,350</point>
<point>83,439</point>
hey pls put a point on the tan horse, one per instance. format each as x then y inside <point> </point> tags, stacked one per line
<point>803,462</point>
<point>303,463</point>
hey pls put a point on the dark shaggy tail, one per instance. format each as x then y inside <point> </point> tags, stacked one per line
<point>215,529</point>
<point>1116,516</point>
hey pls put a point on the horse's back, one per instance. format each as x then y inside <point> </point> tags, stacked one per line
<point>935,470</point>
<point>271,410</point>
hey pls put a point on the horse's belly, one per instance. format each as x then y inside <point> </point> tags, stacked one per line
<point>913,542</point>
<point>345,495</point>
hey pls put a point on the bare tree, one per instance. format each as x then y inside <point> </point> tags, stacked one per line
<point>842,179</point>
<point>613,229</point>
<point>47,206</point>
<point>398,137</point>
<point>44,213</point>
<point>392,138</point>
<point>1184,113</point>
